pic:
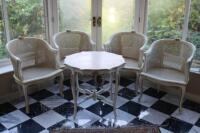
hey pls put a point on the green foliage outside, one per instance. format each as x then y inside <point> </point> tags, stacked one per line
<point>26,17</point>
<point>165,19</point>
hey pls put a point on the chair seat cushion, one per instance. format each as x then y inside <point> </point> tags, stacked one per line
<point>131,64</point>
<point>165,75</point>
<point>37,73</point>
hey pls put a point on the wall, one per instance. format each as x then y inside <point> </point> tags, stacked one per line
<point>9,90</point>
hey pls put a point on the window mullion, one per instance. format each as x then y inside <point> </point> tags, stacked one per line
<point>186,19</point>
<point>6,20</point>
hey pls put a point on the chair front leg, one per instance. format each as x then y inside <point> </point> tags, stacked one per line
<point>26,98</point>
<point>182,98</point>
<point>137,82</point>
<point>140,87</point>
<point>61,84</point>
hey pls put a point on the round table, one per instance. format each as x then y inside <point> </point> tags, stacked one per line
<point>94,62</point>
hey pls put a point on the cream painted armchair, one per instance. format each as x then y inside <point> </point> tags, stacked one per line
<point>33,61</point>
<point>70,42</point>
<point>132,46</point>
<point>167,62</point>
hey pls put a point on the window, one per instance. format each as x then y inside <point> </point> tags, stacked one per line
<point>26,17</point>
<point>23,17</point>
<point>194,30</point>
<point>75,15</point>
<point>117,16</point>
<point>2,36</point>
<point>165,19</point>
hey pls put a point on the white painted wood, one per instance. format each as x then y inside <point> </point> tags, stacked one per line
<point>186,19</point>
<point>94,61</point>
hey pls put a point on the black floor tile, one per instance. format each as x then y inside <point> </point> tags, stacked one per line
<point>41,94</point>
<point>125,82</point>
<point>63,124</point>
<point>164,107</point>
<point>66,109</point>
<point>154,93</point>
<point>6,108</point>
<point>133,108</point>
<point>2,128</point>
<point>127,93</point>
<point>98,123</point>
<point>68,94</point>
<point>29,126</point>
<point>176,126</point>
<point>192,105</point>
<point>92,82</point>
<point>35,109</point>
<point>100,108</point>
<point>138,121</point>
<point>198,123</point>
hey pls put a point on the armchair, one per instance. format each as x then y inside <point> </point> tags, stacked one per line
<point>132,46</point>
<point>33,61</point>
<point>168,62</point>
<point>70,42</point>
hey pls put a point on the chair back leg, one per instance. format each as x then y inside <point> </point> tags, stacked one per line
<point>140,87</point>
<point>182,98</point>
<point>26,98</point>
<point>61,84</point>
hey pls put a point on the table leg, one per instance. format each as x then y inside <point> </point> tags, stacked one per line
<point>74,91</point>
<point>116,92</point>
<point>111,85</point>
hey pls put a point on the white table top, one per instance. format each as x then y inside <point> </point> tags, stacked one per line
<point>94,61</point>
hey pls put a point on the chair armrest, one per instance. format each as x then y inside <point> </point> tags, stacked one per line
<point>17,66</point>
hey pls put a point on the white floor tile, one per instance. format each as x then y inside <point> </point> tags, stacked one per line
<point>56,88</point>
<point>84,118</point>
<point>44,131</point>
<point>88,103</point>
<point>170,98</point>
<point>123,118</point>
<point>131,86</point>
<point>162,130</point>
<point>187,115</point>
<point>53,101</point>
<point>120,101</point>
<point>153,116</point>
<point>14,118</point>
<point>48,118</point>
<point>21,104</point>
<point>146,100</point>
<point>195,129</point>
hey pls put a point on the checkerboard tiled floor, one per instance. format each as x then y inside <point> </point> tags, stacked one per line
<point>50,111</point>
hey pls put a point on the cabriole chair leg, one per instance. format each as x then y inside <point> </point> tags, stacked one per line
<point>26,99</point>
<point>181,99</point>
<point>141,88</point>
<point>61,84</point>
<point>137,82</point>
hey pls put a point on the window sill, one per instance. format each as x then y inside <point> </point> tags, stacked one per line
<point>6,69</point>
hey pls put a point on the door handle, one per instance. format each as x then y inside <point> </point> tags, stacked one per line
<point>99,21</point>
<point>94,21</point>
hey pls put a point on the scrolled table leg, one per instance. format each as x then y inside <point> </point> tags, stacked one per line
<point>117,77</point>
<point>74,91</point>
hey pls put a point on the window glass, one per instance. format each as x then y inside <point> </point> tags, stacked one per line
<point>194,30</point>
<point>165,19</point>
<point>2,36</point>
<point>117,16</point>
<point>75,15</point>
<point>26,17</point>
